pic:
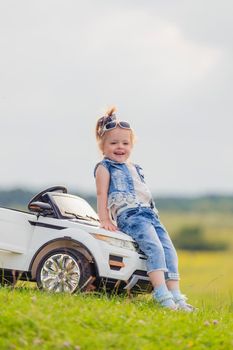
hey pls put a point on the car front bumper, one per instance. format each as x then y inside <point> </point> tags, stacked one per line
<point>137,283</point>
<point>123,270</point>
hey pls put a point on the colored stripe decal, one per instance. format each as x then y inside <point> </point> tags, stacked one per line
<point>41,224</point>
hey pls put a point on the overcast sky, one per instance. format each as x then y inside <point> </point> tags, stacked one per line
<point>166,65</point>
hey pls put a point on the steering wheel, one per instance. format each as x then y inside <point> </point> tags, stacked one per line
<point>38,197</point>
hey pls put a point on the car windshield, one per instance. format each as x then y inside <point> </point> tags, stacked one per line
<point>73,206</point>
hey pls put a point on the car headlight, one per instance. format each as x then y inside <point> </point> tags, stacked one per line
<point>121,243</point>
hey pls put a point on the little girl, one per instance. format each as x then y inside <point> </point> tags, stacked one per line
<point>124,198</point>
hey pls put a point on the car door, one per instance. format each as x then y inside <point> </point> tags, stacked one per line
<point>15,230</point>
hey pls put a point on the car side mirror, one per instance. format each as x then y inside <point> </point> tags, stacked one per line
<point>40,207</point>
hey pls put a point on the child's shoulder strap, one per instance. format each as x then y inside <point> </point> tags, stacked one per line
<point>103,162</point>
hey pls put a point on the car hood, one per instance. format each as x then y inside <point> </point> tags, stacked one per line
<point>93,228</point>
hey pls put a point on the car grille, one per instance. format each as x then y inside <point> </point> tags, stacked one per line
<point>139,251</point>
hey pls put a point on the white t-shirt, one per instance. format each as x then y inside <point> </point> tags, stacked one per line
<point>143,194</point>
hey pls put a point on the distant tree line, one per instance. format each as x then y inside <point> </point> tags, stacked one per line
<point>19,198</point>
<point>192,238</point>
<point>206,203</point>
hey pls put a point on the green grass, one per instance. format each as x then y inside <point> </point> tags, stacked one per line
<point>216,226</point>
<point>30,319</point>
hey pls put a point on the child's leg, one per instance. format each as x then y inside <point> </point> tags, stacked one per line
<point>172,276</point>
<point>173,284</point>
<point>161,292</point>
<point>144,234</point>
<point>171,258</point>
<point>156,278</point>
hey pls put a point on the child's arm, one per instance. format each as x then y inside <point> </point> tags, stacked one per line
<point>102,184</point>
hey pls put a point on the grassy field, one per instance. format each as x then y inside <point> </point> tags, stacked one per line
<point>30,319</point>
<point>216,226</point>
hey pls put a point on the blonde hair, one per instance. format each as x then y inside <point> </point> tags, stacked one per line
<point>99,125</point>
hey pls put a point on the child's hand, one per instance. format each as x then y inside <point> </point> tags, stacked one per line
<point>108,225</point>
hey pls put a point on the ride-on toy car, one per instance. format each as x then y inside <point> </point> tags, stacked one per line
<point>60,245</point>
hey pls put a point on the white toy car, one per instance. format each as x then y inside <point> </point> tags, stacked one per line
<point>60,245</point>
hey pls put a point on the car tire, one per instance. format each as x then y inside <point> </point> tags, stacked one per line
<point>64,270</point>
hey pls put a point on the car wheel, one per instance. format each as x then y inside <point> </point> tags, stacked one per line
<point>63,270</point>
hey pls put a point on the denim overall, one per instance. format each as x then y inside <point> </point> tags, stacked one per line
<point>140,221</point>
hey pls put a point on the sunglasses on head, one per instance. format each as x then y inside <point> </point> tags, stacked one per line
<point>113,124</point>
